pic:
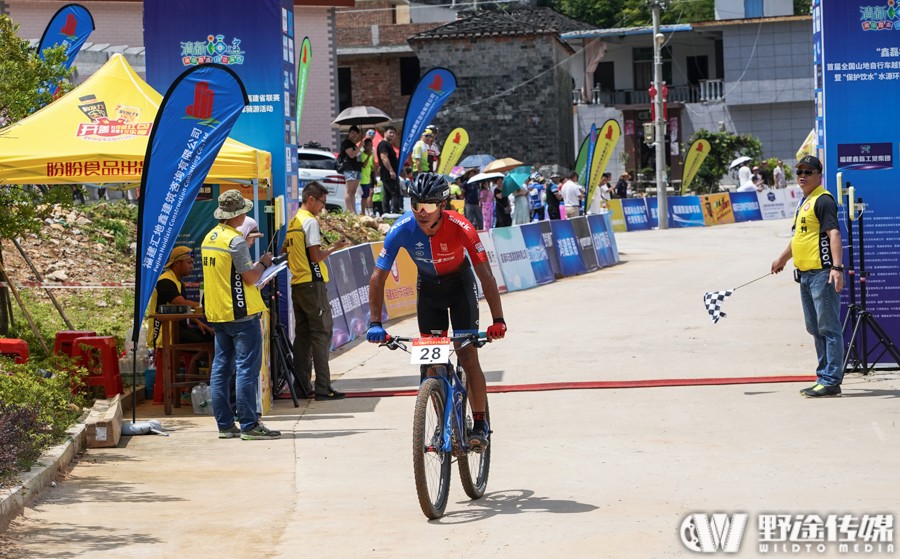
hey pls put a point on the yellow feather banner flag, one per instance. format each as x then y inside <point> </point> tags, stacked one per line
<point>695,157</point>
<point>808,147</point>
<point>454,146</point>
<point>607,139</point>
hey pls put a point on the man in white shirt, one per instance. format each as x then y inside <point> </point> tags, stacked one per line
<point>601,197</point>
<point>573,194</point>
<point>745,179</point>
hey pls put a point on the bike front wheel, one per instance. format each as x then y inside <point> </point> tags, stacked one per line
<point>431,465</point>
<point>474,468</point>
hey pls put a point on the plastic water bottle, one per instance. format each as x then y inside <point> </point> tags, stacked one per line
<point>201,399</point>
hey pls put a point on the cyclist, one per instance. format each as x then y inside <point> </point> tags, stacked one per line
<point>438,240</point>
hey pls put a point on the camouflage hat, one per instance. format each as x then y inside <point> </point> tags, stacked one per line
<point>232,204</point>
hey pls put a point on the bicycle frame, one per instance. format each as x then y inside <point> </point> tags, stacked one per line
<point>453,410</point>
<point>454,390</point>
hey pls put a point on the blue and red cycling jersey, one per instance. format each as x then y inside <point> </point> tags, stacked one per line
<point>436,256</point>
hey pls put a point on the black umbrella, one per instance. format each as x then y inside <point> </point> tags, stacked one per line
<point>361,116</point>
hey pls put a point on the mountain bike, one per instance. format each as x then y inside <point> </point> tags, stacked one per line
<point>440,430</point>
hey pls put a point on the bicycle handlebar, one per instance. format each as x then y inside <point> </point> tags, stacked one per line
<point>396,342</point>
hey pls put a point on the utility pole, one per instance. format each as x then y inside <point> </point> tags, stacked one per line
<point>658,40</point>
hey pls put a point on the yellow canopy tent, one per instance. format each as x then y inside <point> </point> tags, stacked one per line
<point>98,134</point>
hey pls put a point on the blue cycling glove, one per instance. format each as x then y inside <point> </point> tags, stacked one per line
<point>376,333</point>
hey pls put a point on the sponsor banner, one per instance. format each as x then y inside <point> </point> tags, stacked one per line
<point>567,247</point>
<point>70,27</point>
<point>745,206</point>
<point>684,211</point>
<point>362,264</point>
<point>772,204</point>
<point>193,121</point>
<point>856,60</point>
<point>533,235</point>
<point>305,59</point>
<point>695,157</point>
<point>637,218</point>
<point>354,299</point>
<point>341,333</point>
<point>515,263</point>
<point>431,93</point>
<point>602,238</point>
<point>550,247</point>
<point>716,209</point>
<point>264,388</point>
<point>617,215</point>
<point>454,146</point>
<point>400,286</point>
<point>491,252</point>
<point>258,45</point>
<point>614,247</point>
<point>865,157</point>
<point>585,243</point>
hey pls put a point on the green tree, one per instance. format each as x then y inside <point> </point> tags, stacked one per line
<point>724,148</point>
<point>634,13</point>
<point>25,80</point>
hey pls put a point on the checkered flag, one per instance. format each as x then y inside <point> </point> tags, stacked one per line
<point>713,301</point>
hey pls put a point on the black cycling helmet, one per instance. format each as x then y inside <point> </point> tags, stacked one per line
<point>429,187</point>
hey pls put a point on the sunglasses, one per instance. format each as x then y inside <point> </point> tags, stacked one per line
<point>427,207</point>
<point>805,172</point>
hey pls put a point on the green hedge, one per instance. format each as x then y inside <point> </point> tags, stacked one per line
<point>36,408</point>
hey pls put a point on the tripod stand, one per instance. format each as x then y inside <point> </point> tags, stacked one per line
<point>279,343</point>
<point>864,323</point>
<point>282,357</point>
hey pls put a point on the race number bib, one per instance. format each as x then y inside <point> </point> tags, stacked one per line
<point>429,350</point>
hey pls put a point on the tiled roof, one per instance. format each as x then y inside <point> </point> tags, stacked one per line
<point>496,23</point>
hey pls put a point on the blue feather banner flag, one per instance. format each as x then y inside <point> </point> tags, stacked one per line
<point>194,120</point>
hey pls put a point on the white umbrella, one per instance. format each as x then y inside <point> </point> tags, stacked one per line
<point>485,176</point>
<point>738,161</point>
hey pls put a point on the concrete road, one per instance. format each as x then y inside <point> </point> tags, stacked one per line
<point>575,473</point>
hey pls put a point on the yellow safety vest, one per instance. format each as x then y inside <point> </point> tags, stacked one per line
<point>420,157</point>
<point>810,246</point>
<point>226,296</point>
<point>303,269</point>
<point>154,326</point>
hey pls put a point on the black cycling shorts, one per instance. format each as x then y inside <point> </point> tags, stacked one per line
<point>456,293</point>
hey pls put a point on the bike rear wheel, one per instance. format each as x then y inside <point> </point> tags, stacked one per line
<point>431,465</point>
<point>474,467</point>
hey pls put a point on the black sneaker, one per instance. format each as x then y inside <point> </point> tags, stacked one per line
<point>803,391</point>
<point>478,439</point>
<point>822,391</point>
<point>260,433</point>
<point>331,395</point>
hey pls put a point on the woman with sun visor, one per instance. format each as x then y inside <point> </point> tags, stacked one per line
<point>438,241</point>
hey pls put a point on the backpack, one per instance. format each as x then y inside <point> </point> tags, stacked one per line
<point>339,163</point>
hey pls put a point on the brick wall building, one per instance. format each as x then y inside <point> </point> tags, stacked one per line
<point>376,65</point>
<point>514,92</point>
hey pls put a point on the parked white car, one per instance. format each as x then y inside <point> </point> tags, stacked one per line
<point>316,163</point>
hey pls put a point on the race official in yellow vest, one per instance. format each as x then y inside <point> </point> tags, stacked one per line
<point>169,290</point>
<point>313,324</point>
<point>817,252</point>
<point>233,304</point>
